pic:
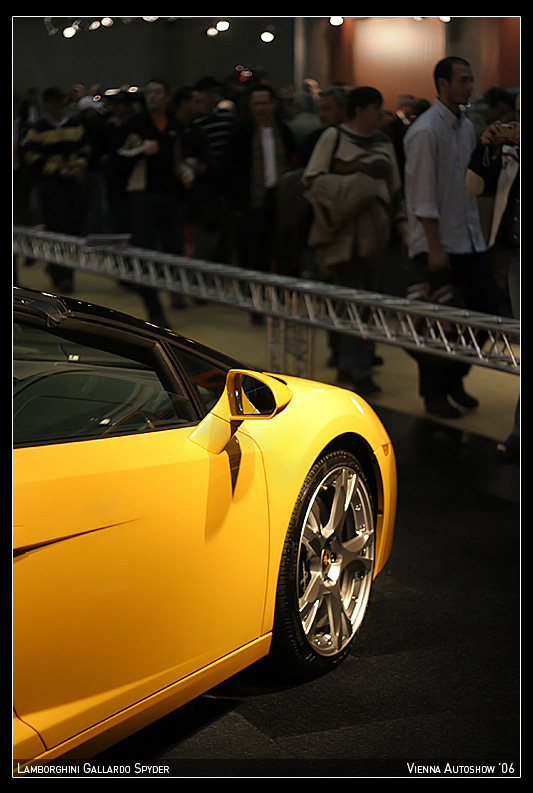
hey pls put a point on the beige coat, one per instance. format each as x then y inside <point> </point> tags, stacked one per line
<point>353,211</point>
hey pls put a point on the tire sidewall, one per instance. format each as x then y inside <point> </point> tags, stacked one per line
<point>289,639</point>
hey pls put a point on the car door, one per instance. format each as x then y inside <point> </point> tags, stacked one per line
<point>140,556</point>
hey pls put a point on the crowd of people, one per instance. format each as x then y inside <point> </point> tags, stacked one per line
<point>325,184</point>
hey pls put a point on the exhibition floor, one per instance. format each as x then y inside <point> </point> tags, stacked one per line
<point>434,674</point>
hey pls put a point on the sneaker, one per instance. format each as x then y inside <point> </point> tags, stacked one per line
<point>442,409</point>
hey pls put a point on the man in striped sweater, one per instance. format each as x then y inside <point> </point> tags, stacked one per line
<point>213,241</point>
<point>57,152</point>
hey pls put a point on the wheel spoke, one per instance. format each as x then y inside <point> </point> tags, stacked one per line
<point>352,548</point>
<point>310,602</point>
<point>344,487</point>
<point>339,624</point>
<point>312,533</point>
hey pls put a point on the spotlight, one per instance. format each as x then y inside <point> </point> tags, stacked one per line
<point>336,21</point>
<point>222,25</point>
<point>268,35</point>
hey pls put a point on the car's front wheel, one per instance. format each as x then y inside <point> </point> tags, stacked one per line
<point>326,568</point>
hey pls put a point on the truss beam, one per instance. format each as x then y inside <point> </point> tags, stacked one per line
<point>291,304</point>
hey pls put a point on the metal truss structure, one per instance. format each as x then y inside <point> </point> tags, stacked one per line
<point>294,308</point>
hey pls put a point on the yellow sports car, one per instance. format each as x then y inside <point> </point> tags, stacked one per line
<point>176,518</point>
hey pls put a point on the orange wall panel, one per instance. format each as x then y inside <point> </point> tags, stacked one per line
<point>397,55</point>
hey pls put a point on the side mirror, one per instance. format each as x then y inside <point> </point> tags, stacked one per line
<point>249,395</point>
<point>254,395</point>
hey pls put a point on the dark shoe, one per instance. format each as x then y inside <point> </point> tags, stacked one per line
<point>508,452</point>
<point>460,397</point>
<point>62,278</point>
<point>364,386</point>
<point>442,409</point>
<point>63,286</point>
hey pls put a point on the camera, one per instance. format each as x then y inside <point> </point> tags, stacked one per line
<point>505,130</point>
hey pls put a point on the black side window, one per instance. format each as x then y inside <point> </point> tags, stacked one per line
<point>207,378</point>
<point>82,386</point>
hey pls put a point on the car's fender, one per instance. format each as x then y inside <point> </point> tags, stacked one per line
<point>318,417</point>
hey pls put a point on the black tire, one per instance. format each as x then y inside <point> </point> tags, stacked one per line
<point>326,568</point>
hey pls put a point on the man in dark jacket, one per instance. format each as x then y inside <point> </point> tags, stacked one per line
<point>259,152</point>
<point>154,177</point>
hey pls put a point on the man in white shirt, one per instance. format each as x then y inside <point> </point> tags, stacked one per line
<point>446,245</point>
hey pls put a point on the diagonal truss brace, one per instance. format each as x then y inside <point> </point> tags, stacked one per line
<point>293,307</point>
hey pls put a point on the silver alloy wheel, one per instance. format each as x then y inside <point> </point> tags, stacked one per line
<point>335,560</point>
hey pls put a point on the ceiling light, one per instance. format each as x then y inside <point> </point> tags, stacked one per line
<point>268,35</point>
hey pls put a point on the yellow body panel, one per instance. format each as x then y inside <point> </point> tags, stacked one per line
<point>26,742</point>
<point>146,566</point>
<point>153,546</point>
<point>28,750</point>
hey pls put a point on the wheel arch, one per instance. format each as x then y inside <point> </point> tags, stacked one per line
<point>358,446</point>
<point>379,489</point>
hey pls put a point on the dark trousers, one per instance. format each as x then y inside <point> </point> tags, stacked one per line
<point>471,285</point>
<point>61,203</point>
<point>259,243</point>
<point>354,353</point>
<point>156,223</point>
